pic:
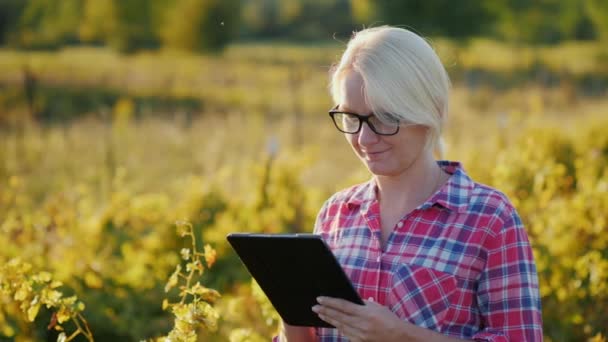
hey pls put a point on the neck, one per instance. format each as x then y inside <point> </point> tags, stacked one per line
<point>411,187</point>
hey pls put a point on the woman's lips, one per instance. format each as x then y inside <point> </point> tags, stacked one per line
<point>373,155</point>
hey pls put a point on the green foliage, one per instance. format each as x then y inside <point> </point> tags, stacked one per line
<point>124,25</point>
<point>546,21</point>
<point>208,25</point>
<point>98,21</point>
<point>597,10</point>
<point>559,183</point>
<point>94,202</point>
<point>128,253</point>
<point>49,23</point>
<point>296,19</point>
<point>24,291</point>
<point>201,25</point>
<point>434,17</point>
<point>194,310</point>
<point>10,11</point>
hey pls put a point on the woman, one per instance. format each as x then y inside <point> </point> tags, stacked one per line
<point>438,256</point>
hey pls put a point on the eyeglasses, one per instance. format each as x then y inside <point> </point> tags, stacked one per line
<point>351,123</point>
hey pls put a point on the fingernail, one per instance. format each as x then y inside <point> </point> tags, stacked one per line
<point>320,300</point>
<point>315,308</point>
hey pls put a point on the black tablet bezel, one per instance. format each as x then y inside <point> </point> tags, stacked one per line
<point>293,270</point>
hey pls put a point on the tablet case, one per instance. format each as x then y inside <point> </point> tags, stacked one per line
<point>293,270</point>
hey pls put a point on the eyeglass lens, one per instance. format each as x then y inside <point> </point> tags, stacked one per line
<point>349,123</point>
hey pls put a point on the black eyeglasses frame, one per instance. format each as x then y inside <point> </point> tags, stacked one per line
<point>362,118</point>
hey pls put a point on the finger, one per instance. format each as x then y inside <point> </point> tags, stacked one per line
<point>337,316</point>
<point>370,302</point>
<point>340,304</point>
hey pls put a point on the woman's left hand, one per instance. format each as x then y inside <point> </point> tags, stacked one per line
<point>369,322</point>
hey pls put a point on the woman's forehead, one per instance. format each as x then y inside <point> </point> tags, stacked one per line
<point>353,94</point>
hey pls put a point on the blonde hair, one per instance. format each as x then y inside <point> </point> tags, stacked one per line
<point>402,75</point>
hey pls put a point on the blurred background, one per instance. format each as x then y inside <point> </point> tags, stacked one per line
<point>135,132</point>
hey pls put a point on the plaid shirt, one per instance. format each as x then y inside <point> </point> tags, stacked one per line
<point>459,264</point>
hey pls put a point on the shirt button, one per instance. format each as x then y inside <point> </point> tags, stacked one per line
<point>400,224</point>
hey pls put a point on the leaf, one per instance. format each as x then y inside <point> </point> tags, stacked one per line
<point>22,293</point>
<point>55,284</point>
<point>204,293</point>
<point>32,312</point>
<point>92,280</point>
<point>63,315</point>
<point>43,277</point>
<point>210,255</point>
<point>80,306</point>
<point>183,228</point>
<point>173,279</point>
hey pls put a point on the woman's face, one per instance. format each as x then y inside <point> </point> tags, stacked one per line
<point>383,155</point>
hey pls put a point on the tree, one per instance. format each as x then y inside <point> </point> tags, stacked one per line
<point>125,25</point>
<point>541,21</point>
<point>49,23</point>
<point>201,25</point>
<point>428,17</point>
<point>10,12</point>
<point>99,21</point>
<point>597,10</point>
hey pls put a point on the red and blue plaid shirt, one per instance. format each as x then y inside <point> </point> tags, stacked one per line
<point>459,264</point>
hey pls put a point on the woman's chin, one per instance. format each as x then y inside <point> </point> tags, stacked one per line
<point>378,169</point>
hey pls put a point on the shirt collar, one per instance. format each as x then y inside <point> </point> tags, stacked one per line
<point>456,192</point>
<point>453,195</point>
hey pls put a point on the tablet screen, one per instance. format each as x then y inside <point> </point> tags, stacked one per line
<point>293,270</point>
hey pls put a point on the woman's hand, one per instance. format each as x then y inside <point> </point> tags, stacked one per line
<point>372,322</point>
<point>369,322</point>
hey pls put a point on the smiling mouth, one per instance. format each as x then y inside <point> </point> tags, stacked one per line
<point>373,155</point>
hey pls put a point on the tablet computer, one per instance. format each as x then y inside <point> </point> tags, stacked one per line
<point>293,270</point>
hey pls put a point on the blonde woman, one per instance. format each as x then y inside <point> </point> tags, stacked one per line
<point>438,256</point>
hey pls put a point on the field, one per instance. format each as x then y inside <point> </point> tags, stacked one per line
<point>154,146</point>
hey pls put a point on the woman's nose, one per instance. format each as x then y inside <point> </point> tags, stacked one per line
<point>367,136</point>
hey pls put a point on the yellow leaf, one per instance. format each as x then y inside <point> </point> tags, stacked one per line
<point>173,279</point>
<point>62,315</point>
<point>44,277</point>
<point>183,228</point>
<point>22,293</point>
<point>165,304</point>
<point>93,280</point>
<point>171,283</point>
<point>210,255</point>
<point>7,330</point>
<point>55,284</point>
<point>32,312</point>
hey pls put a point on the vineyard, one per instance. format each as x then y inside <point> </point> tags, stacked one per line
<point>113,221</point>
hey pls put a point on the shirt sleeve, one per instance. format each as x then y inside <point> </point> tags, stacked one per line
<point>508,294</point>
